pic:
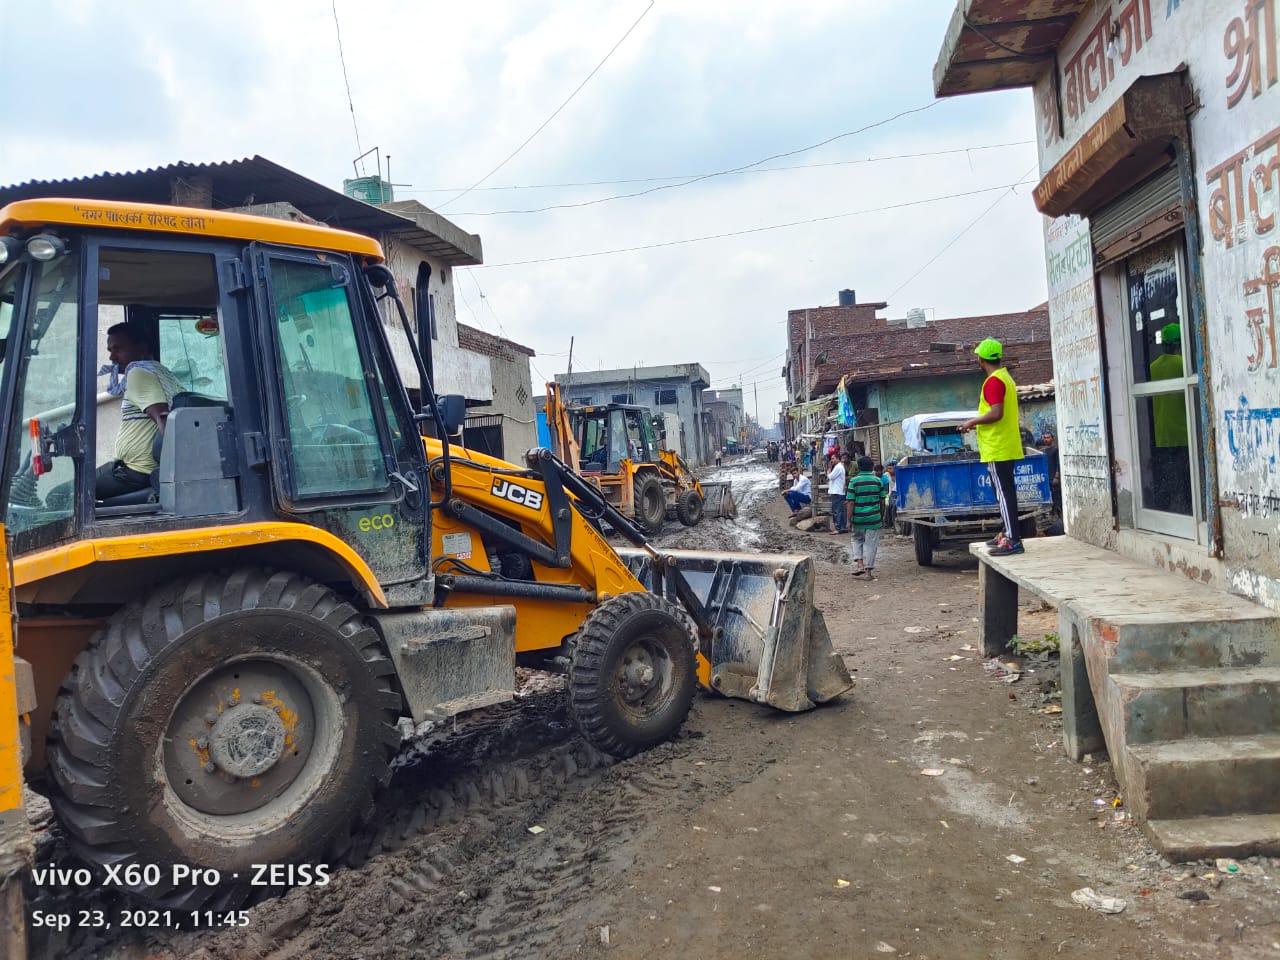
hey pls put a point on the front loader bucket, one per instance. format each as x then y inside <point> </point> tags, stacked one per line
<point>717,499</point>
<point>770,644</point>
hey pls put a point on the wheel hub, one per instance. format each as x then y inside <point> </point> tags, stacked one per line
<point>241,736</point>
<point>247,740</point>
<point>638,674</point>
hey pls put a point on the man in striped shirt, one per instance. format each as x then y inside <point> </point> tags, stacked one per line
<point>863,501</point>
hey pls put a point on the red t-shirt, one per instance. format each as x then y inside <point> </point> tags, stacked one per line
<point>993,391</point>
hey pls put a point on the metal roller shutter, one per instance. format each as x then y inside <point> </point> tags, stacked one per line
<point>1148,212</point>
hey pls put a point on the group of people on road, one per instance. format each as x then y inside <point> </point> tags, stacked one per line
<point>863,503</point>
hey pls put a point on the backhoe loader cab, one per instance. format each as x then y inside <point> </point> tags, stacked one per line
<point>213,663</point>
<point>621,450</point>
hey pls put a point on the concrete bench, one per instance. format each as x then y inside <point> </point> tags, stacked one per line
<point>1180,682</point>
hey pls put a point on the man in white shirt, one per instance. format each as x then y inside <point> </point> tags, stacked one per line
<point>799,494</point>
<point>835,490</point>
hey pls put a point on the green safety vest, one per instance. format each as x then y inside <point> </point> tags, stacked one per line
<point>1169,411</point>
<point>1001,440</point>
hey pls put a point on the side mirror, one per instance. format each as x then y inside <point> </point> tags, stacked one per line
<point>453,409</point>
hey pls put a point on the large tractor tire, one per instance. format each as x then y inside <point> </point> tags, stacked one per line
<point>924,544</point>
<point>651,503</point>
<point>631,676</point>
<point>689,507</point>
<point>228,720</point>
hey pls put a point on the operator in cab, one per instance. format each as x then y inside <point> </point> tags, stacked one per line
<point>147,388</point>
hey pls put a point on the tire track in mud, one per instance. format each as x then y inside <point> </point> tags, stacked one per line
<point>458,874</point>
<point>450,869</point>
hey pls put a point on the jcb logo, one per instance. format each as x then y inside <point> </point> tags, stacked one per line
<point>516,494</point>
<point>384,522</point>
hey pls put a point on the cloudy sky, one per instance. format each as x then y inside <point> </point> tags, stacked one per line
<point>906,200</point>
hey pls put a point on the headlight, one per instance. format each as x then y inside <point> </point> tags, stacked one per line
<point>45,246</point>
<point>9,248</point>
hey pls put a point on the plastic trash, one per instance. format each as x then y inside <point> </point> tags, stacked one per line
<point>1014,858</point>
<point>933,771</point>
<point>1005,673</point>
<point>1227,865</point>
<point>1091,899</point>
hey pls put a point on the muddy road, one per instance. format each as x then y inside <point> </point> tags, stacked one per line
<point>767,835</point>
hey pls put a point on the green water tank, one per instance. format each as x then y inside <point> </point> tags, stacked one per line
<point>369,189</point>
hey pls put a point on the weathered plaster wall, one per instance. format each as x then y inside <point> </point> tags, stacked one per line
<point>455,370</point>
<point>1232,53</point>
<point>513,399</point>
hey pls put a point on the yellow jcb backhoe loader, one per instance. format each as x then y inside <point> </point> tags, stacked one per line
<point>615,447</point>
<point>215,662</point>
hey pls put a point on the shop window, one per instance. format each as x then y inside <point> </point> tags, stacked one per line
<point>1163,390</point>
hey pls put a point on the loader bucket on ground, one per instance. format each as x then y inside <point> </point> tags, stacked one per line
<point>770,645</point>
<point>717,500</point>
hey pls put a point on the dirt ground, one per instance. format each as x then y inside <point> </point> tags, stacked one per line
<point>768,835</point>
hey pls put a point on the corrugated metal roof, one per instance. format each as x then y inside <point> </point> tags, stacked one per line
<point>238,183</point>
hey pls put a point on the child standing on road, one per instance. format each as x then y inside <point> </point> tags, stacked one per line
<point>863,502</point>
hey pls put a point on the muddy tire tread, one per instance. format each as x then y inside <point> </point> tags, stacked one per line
<point>88,801</point>
<point>591,650</point>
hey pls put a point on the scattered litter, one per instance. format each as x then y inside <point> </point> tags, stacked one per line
<point>1014,858</point>
<point>957,762</point>
<point>954,657</point>
<point>1119,802</point>
<point>913,629</point>
<point>604,936</point>
<point>1087,897</point>
<point>1005,673</point>
<point>841,884</point>
<point>882,947</point>
<point>1226,865</point>
<point>1197,895</point>
<point>1099,802</point>
<point>714,889</point>
<point>535,829</point>
<point>698,829</point>
<point>933,771</point>
<point>969,648</point>
<point>1053,709</point>
<point>945,825</point>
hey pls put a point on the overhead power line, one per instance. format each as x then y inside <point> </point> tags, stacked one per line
<point>718,173</point>
<point>555,112</point>
<point>686,176</point>
<point>343,60</point>
<point>739,233</point>
<point>952,242</point>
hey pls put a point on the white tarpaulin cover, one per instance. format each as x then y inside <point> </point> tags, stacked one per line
<point>911,426</point>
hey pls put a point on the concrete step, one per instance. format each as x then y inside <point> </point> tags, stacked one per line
<point>1221,702</point>
<point>1156,640</point>
<point>1207,777</point>
<point>1203,838</point>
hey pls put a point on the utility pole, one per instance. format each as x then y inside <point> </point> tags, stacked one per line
<point>568,378</point>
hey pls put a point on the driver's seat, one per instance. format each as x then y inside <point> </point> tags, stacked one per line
<point>148,495</point>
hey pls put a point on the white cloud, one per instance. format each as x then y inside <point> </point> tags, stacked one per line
<point>449,90</point>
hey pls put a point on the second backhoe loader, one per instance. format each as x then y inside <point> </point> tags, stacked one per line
<point>212,667</point>
<point>619,450</point>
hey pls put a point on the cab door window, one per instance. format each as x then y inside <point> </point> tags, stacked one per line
<point>328,401</point>
<point>42,489</point>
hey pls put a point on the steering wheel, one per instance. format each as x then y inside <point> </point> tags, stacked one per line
<point>338,433</point>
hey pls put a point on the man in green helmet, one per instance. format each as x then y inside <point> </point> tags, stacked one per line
<point>1171,461</point>
<point>999,440</point>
